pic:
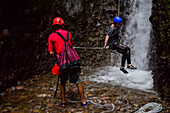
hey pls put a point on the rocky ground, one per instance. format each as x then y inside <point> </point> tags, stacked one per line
<point>35,95</point>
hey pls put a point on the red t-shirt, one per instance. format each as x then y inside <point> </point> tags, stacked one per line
<point>58,42</point>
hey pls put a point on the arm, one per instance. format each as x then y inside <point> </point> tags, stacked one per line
<point>50,47</point>
<point>70,39</point>
<point>106,40</point>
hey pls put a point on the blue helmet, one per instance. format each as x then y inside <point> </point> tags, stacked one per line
<point>117,19</point>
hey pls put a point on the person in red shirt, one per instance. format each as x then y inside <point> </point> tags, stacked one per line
<point>55,46</point>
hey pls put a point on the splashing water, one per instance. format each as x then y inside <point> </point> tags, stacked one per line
<point>137,37</point>
<point>141,80</point>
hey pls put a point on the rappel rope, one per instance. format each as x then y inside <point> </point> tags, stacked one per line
<point>119,8</point>
<point>155,108</point>
<point>88,47</point>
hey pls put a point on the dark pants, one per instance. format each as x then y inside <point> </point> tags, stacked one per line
<point>126,54</point>
<point>70,74</point>
<point>124,50</point>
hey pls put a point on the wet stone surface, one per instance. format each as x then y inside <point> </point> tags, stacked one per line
<point>35,95</point>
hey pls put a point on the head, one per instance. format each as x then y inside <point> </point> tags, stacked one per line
<point>116,21</point>
<point>58,23</point>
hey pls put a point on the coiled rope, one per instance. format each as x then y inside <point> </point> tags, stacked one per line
<point>155,108</point>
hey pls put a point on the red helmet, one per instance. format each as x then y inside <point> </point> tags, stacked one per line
<point>58,21</point>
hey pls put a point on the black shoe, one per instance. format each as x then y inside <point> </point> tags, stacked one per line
<point>123,70</point>
<point>131,67</point>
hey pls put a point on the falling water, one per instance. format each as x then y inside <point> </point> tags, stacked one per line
<point>137,37</point>
<point>137,33</point>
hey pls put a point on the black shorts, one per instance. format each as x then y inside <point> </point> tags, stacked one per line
<point>71,74</point>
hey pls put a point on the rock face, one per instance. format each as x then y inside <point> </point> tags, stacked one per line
<point>23,35</point>
<point>25,26</point>
<point>160,47</point>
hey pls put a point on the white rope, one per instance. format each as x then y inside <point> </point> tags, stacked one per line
<point>96,104</point>
<point>105,105</point>
<point>155,108</point>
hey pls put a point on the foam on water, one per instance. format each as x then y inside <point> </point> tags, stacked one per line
<point>135,79</point>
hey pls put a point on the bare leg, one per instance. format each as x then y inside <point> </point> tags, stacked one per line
<point>81,92</point>
<point>62,90</point>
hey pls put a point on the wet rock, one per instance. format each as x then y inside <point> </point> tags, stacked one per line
<point>19,87</point>
<point>136,105</point>
<point>2,94</point>
<point>89,95</point>
<point>6,108</point>
<point>36,110</point>
<point>44,95</point>
<point>118,108</point>
<point>122,109</point>
<point>160,53</point>
<point>23,97</point>
<point>26,101</point>
<point>9,90</point>
<point>18,82</point>
<point>105,98</point>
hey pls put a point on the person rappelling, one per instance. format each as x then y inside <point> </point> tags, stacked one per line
<point>112,41</point>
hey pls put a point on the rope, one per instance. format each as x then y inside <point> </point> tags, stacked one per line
<point>105,105</point>
<point>88,47</point>
<point>96,104</point>
<point>119,8</point>
<point>155,108</point>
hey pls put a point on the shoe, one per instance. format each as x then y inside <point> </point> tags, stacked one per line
<point>131,67</point>
<point>63,104</point>
<point>87,102</point>
<point>123,70</point>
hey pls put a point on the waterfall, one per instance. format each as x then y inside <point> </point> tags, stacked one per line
<point>137,37</point>
<point>137,32</point>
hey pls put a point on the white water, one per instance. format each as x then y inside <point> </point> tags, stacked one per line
<point>137,33</point>
<point>141,80</point>
<point>137,37</point>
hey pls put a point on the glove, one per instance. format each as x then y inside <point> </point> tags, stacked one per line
<point>106,47</point>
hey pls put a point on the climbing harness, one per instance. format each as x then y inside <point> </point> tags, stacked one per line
<point>155,108</point>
